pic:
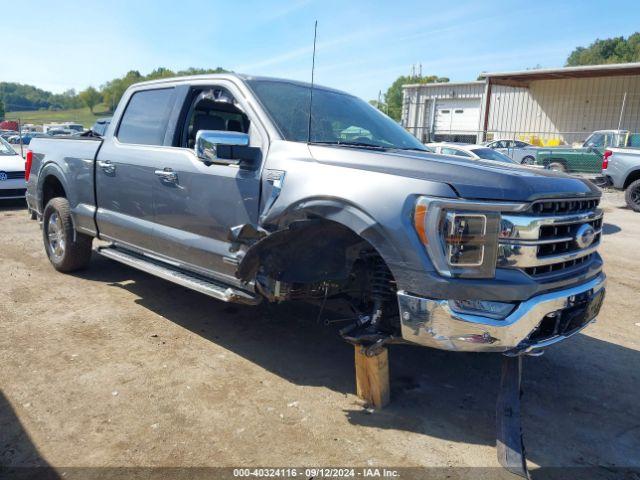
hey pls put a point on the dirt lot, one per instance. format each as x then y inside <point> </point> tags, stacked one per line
<point>113,367</point>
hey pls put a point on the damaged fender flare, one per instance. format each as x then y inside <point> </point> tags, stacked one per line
<point>332,210</point>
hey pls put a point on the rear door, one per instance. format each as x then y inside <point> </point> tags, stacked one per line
<point>125,169</point>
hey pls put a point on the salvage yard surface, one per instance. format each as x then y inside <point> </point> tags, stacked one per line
<point>112,367</point>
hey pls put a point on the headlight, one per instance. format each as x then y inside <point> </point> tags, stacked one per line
<point>461,238</point>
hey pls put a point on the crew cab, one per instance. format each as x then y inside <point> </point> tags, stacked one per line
<point>253,189</point>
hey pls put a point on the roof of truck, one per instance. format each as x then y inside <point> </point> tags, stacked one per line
<point>232,75</point>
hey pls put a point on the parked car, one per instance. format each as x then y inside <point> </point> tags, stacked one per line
<point>12,182</point>
<point>521,152</point>
<point>588,157</point>
<point>466,150</point>
<point>230,185</point>
<point>100,127</point>
<point>621,168</point>
<point>54,132</point>
<point>26,138</point>
<point>6,134</point>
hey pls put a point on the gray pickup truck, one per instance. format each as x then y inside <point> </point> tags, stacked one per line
<point>226,184</point>
<point>220,184</point>
<point>621,169</point>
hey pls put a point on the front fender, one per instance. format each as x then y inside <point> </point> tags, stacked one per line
<point>397,243</point>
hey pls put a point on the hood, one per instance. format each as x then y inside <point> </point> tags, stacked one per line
<point>11,163</point>
<point>472,179</point>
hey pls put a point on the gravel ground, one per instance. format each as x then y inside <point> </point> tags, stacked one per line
<point>112,367</point>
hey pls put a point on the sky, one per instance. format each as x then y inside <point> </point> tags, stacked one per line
<point>362,46</point>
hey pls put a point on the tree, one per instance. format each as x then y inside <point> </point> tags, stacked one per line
<point>90,97</point>
<point>609,50</point>
<point>393,98</point>
<point>1,110</point>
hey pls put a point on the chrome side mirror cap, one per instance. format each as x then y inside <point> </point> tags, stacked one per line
<point>208,141</point>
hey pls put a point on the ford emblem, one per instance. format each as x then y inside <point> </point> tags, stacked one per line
<point>585,236</point>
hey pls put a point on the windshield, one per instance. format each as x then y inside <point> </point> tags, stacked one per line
<point>337,118</point>
<point>5,148</point>
<point>490,154</point>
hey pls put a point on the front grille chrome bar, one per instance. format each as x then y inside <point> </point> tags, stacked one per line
<point>549,241</point>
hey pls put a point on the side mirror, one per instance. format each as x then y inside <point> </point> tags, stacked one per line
<point>208,143</point>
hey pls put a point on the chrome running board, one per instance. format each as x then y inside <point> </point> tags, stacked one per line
<point>168,272</point>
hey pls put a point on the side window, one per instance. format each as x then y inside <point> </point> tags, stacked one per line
<point>454,151</point>
<point>144,121</point>
<point>213,109</point>
<point>521,145</point>
<point>595,140</point>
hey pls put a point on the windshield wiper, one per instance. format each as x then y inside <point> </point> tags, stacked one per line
<point>352,144</point>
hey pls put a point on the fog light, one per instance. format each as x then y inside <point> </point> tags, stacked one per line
<point>498,310</point>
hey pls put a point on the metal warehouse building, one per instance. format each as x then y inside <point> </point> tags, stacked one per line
<point>544,106</point>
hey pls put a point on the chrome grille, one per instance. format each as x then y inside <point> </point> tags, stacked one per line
<point>542,243</point>
<point>555,207</point>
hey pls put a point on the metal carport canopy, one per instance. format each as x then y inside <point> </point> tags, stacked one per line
<point>523,78</point>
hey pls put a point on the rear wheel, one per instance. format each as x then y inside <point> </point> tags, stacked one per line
<point>528,161</point>
<point>67,249</point>
<point>558,167</point>
<point>632,196</point>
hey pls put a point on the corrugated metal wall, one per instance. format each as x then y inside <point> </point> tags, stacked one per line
<point>568,109</point>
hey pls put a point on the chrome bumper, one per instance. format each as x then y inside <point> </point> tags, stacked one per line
<point>433,323</point>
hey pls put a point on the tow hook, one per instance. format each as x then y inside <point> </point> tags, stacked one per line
<point>509,440</point>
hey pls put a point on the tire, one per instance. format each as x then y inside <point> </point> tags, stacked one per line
<point>632,196</point>
<point>558,167</point>
<point>528,160</point>
<point>67,249</point>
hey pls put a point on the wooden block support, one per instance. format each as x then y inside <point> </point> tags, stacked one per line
<point>372,377</point>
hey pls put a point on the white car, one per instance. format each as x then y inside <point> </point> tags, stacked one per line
<point>521,152</point>
<point>12,182</point>
<point>475,152</point>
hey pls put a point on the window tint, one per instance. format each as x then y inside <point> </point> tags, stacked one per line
<point>145,120</point>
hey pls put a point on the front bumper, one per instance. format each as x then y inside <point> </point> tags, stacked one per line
<point>535,323</point>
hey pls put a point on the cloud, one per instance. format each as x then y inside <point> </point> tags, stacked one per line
<point>389,28</point>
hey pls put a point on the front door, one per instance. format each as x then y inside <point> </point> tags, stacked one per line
<point>196,204</point>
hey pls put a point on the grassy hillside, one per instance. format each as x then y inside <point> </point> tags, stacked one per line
<point>79,115</point>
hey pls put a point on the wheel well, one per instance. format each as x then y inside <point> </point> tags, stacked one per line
<point>557,160</point>
<point>319,258</point>
<point>307,251</point>
<point>51,188</point>
<point>633,176</point>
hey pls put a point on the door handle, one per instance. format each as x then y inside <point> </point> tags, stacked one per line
<point>167,175</point>
<point>107,167</point>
